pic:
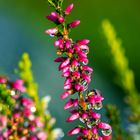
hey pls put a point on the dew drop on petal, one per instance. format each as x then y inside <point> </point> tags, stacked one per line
<point>89,106</point>
<point>85,63</point>
<point>106,132</point>
<point>85,84</point>
<point>82,120</point>
<point>86,51</point>
<point>98,106</point>
<point>89,125</point>
<point>51,35</point>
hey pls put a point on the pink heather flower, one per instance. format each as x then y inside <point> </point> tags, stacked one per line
<point>84,47</point>
<point>71,103</point>
<point>23,138</point>
<point>27,112</point>
<point>58,42</point>
<point>32,137</point>
<point>68,44</point>
<point>74,131</point>
<point>3,122</point>
<point>68,86</point>
<point>107,137</point>
<point>79,87</point>
<point>95,115</point>
<point>66,74</point>
<point>51,31</point>
<point>84,115</point>
<point>73,65</point>
<point>86,68</point>
<point>102,125</point>
<point>83,42</point>
<point>38,122</point>
<point>74,23</point>
<point>26,102</point>
<point>64,95</point>
<point>3,80</point>
<point>94,130</point>
<point>64,64</point>
<point>18,85</point>
<point>61,19</point>
<point>86,77</point>
<point>73,117</point>
<point>76,74</point>
<point>85,131</point>
<point>69,9</point>
<point>60,59</point>
<point>41,135</point>
<point>68,81</point>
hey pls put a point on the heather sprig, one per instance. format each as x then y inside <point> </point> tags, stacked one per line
<point>124,75</point>
<point>25,72</point>
<point>73,64</point>
<point>20,121</point>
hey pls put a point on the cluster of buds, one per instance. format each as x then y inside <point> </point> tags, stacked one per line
<point>73,64</point>
<point>21,121</point>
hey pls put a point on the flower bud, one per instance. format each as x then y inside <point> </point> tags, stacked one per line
<point>61,19</point>
<point>83,42</point>
<point>103,125</point>
<point>73,117</point>
<point>64,95</point>
<point>51,31</point>
<point>58,42</point>
<point>69,9</point>
<point>74,131</point>
<point>74,23</point>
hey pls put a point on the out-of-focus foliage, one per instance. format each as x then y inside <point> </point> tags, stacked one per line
<point>26,74</point>
<point>23,115</point>
<point>124,75</point>
<point>113,115</point>
<point>126,80</point>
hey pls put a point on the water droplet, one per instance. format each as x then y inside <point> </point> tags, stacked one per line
<point>89,106</point>
<point>72,69</point>
<point>98,106</point>
<point>82,120</point>
<point>85,63</point>
<point>86,51</point>
<point>85,84</point>
<point>51,35</point>
<point>106,132</point>
<point>89,125</point>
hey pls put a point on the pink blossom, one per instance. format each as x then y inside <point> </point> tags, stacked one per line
<point>102,125</point>
<point>3,80</point>
<point>74,131</point>
<point>51,31</point>
<point>69,9</point>
<point>83,42</point>
<point>74,23</point>
<point>73,117</point>
<point>18,85</point>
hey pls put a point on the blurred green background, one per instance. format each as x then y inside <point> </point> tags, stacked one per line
<point>22,25</point>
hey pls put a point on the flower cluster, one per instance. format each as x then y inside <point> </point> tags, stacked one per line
<point>73,64</point>
<point>25,73</point>
<point>21,122</point>
<point>19,119</point>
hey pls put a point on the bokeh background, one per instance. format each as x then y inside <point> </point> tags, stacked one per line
<point>22,25</point>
